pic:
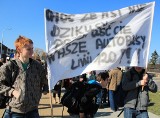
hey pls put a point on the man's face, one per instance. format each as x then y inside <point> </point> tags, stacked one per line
<point>27,51</point>
<point>138,69</point>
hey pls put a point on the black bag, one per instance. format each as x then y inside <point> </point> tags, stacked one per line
<point>68,99</point>
<point>5,99</point>
<point>121,94</point>
<point>72,97</point>
<point>89,102</point>
<point>80,96</point>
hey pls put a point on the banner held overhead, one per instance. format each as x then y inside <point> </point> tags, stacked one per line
<point>79,43</point>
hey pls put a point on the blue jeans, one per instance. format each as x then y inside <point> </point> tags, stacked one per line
<point>104,95</point>
<point>113,106</point>
<point>31,114</point>
<point>132,113</point>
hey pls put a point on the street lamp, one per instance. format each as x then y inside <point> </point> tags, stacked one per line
<point>2,39</point>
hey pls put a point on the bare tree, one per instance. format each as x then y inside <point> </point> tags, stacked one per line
<point>44,56</point>
<point>39,54</point>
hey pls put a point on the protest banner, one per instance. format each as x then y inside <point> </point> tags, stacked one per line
<point>79,43</point>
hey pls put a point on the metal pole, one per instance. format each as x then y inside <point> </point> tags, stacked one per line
<point>2,43</point>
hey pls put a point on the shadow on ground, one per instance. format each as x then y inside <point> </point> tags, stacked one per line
<point>55,117</point>
<point>44,106</point>
<point>99,114</point>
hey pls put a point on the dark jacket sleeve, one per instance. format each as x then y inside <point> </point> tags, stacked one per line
<point>151,84</point>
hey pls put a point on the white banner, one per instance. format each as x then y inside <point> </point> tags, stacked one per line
<point>79,43</point>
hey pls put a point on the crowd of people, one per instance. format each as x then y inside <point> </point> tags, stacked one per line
<point>133,80</point>
<point>31,82</point>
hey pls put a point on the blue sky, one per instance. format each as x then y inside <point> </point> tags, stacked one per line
<point>26,17</point>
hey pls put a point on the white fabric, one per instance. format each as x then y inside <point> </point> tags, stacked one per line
<point>79,43</point>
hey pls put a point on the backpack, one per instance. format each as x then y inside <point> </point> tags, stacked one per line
<point>80,94</point>
<point>5,99</point>
<point>121,94</point>
<point>91,98</point>
<point>71,98</point>
<point>93,88</point>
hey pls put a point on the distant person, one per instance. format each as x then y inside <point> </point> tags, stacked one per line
<point>137,99</point>
<point>91,75</point>
<point>57,91</point>
<point>104,82</point>
<point>67,84</point>
<point>115,77</point>
<point>30,82</point>
<point>16,55</point>
<point>82,78</point>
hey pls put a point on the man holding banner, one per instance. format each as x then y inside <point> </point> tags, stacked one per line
<point>137,99</point>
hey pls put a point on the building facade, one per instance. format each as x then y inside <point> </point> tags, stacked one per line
<point>6,52</point>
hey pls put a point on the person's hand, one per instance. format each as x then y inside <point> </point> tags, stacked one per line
<point>16,94</point>
<point>143,83</point>
<point>144,80</point>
